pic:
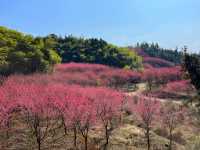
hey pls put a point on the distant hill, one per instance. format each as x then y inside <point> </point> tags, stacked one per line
<point>157,62</point>
<point>154,50</point>
<point>154,56</point>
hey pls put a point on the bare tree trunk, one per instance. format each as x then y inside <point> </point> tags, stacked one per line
<point>65,128</point>
<point>86,142</point>
<point>84,133</point>
<point>37,132</point>
<point>106,136</point>
<point>39,144</point>
<point>7,130</point>
<point>75,137</point>
<point>148,138</point>
<point>7,134</point>
<point>170,139</point>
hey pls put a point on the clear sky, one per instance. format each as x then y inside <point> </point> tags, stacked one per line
<point>171,23</point>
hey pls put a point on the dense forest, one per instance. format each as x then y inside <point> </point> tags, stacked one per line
<point>98,51</point>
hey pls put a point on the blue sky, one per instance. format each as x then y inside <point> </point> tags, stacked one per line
<point>122,22</point>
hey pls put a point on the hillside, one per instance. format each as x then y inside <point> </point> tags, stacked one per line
<point>77,90</point>
<point>96,51</point>
<point>154,56</point>
<point>85,94</point>
<point>99,75</point>
<point>154,50</point>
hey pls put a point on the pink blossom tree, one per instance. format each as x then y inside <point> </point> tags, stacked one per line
<point>77,107</point>
<point>161,76</point>
<point>179,86</point>
<point>172,117</point>
<point>79,113</point>
<point>8,103</point>
<point>87,118</point>
<point>149,76</point>
<point>38,111</point>
<point>146,109</point>
<point>94,75</point>
<point>108,104</point>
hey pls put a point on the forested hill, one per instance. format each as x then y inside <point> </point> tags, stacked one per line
<point>21,53</point>
<point>98,51</point>
<point>154,50</point>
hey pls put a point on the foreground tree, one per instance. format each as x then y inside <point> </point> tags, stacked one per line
<point>7,109</point>
<point>34,106</point>
<point>38,111</point>
<point>147,109</point>
<point>80,116</point>
<point>108,104</point>
<point>172,117</point>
